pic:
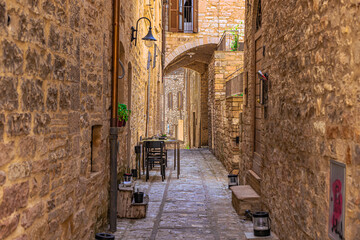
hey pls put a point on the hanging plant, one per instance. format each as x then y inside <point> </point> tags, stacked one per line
<point>123,114</point>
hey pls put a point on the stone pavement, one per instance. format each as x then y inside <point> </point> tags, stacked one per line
<point>196,206</point>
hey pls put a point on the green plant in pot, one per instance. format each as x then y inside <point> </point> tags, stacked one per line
<point>123,114</point>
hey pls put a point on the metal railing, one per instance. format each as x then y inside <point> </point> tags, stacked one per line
<point>186,19</point>
<point>230,41</point>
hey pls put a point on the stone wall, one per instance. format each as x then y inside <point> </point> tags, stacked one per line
<point>55,94</point>
<point>55,81</point>
<point>174,83</point>
<point>312,57</point>
<point>135,60</point>
<point>221,66</point>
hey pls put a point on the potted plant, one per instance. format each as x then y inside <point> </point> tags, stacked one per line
<point>123,114</point>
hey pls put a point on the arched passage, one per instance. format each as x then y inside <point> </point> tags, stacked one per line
<point>195,58</point>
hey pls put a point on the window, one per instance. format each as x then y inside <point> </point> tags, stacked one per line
<point>183,16</point>
<point>258,16</point>
<point>170,101</point>
<point>180,100</point>
<point>96,143</point>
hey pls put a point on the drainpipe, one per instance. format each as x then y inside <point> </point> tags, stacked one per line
<point>113,120</point>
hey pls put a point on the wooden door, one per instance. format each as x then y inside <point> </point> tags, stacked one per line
<point>258,143</point>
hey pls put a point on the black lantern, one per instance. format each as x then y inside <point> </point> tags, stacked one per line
<point>127,179</point>
<point>233,180</point>
<point>262,224</point>
<point>148,37</point>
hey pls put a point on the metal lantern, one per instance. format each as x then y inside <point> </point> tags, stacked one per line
<point>127,179</point>
<point>262,224</point>
<point>233,180</point>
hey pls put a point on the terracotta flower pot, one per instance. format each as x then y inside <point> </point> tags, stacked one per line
<point>121,123</point>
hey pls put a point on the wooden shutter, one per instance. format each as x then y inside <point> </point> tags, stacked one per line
<point>196,16</point>
<point>173,16</point>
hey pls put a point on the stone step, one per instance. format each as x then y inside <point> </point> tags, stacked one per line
<point>245,198</point>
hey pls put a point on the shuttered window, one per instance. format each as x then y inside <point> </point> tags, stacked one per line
<point>183,16</point>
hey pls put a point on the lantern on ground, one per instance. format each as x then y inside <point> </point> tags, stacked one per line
<point>127,179</point>
<point>233,178</point>
<point>262,224</point>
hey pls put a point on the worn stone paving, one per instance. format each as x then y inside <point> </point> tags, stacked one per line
<point>196,206</point>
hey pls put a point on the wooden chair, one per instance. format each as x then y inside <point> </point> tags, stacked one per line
<point>155,154</point>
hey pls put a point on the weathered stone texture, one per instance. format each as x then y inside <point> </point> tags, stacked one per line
<point>42,119</point>
<point>8,93</point>
<point>310,50</point>
<point>32,95</point>
<point>19,124</point>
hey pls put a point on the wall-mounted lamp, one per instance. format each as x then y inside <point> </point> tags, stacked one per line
<point>148,37</point>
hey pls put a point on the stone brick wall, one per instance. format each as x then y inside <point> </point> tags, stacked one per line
<point>135,60</point>
<point>174,83</point>
<point>54,87</point>
<point>221,66</point>
<point>54,112</point>
<point>312,57</point>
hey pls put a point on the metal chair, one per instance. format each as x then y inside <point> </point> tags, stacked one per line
<point>154,151</point>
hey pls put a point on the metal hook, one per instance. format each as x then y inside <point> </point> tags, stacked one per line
<point>123,70</point>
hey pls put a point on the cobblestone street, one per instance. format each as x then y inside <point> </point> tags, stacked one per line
<point>196,206</point>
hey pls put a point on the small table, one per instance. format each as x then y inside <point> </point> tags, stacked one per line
<point>174,142</point>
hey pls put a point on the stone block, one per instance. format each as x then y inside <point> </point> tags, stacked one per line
<point>7,153</point>
<point>14,197</point>
<point>19,124</point>
<point>41,123</point>
<point>8,226</point>
<point>52,98</point>
<point>65,97</point>
<point>19,170</point>
<point>59,68</point>
<point>54,38</point>
<point>245,198</point>
<point>31,214</point>
<point>12,60</point>
<point>8,93</point>
<point>32,95</point>
<point>36,31</point>
<point>38,64</point>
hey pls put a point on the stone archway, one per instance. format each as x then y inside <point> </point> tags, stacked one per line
<point>173,54</point>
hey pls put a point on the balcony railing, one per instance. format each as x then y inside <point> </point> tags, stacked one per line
<point>186,18</point>
<point>230,41</point>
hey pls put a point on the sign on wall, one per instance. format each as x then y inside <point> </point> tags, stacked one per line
<point>337,200</point>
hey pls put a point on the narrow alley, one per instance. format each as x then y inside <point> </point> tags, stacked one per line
<point>196,206</point>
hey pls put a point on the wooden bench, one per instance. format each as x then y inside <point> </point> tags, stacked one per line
<point>126,207</point>
<point>245,198</point>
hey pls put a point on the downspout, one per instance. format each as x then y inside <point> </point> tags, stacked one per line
<point>113,120</point>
